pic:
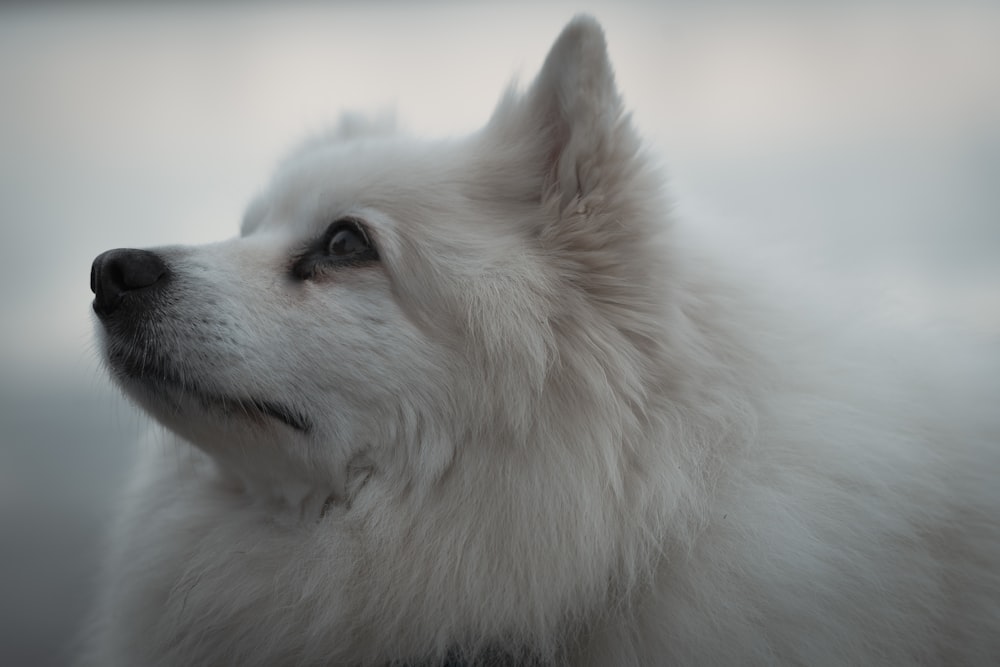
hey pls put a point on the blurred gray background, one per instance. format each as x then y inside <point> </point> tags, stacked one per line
<point>858,142</point>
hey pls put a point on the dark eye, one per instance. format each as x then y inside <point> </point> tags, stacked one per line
<point>344,244</point>
<point>346,239</point>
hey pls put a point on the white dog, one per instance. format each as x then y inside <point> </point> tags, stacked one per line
<point>474,403</point>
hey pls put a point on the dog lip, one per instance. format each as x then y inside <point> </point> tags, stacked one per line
<point>156,377</point>
<point>277,411</point>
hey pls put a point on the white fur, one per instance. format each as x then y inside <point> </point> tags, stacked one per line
<point>542,422</point>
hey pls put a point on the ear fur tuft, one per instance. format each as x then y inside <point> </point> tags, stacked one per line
<point>567,146</point>
<point>575,95</point>
<point>572,115</point>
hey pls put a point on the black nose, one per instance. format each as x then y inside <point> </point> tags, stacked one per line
<point>116,273</point>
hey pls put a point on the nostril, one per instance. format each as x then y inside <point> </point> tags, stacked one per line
<point>116,272</point>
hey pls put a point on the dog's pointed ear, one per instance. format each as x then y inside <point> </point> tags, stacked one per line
<point>570,125</point>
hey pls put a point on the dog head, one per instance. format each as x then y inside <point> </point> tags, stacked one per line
<point>388,300</point>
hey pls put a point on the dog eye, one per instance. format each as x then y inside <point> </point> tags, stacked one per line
<point>345,244</point>
<point>347,239</point>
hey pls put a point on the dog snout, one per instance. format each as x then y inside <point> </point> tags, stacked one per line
<point>117,273</point>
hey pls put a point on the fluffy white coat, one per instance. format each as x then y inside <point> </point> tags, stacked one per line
<point>540,427</point>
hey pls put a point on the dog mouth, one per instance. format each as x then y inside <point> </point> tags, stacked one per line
<point>170,386</point>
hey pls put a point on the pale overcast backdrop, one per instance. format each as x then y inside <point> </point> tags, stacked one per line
<point>858,141</point>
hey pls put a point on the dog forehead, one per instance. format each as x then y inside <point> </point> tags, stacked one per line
<point>363,173</point>
<point>399,187</point>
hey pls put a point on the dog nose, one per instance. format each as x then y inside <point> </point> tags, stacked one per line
<point>117,272</point>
